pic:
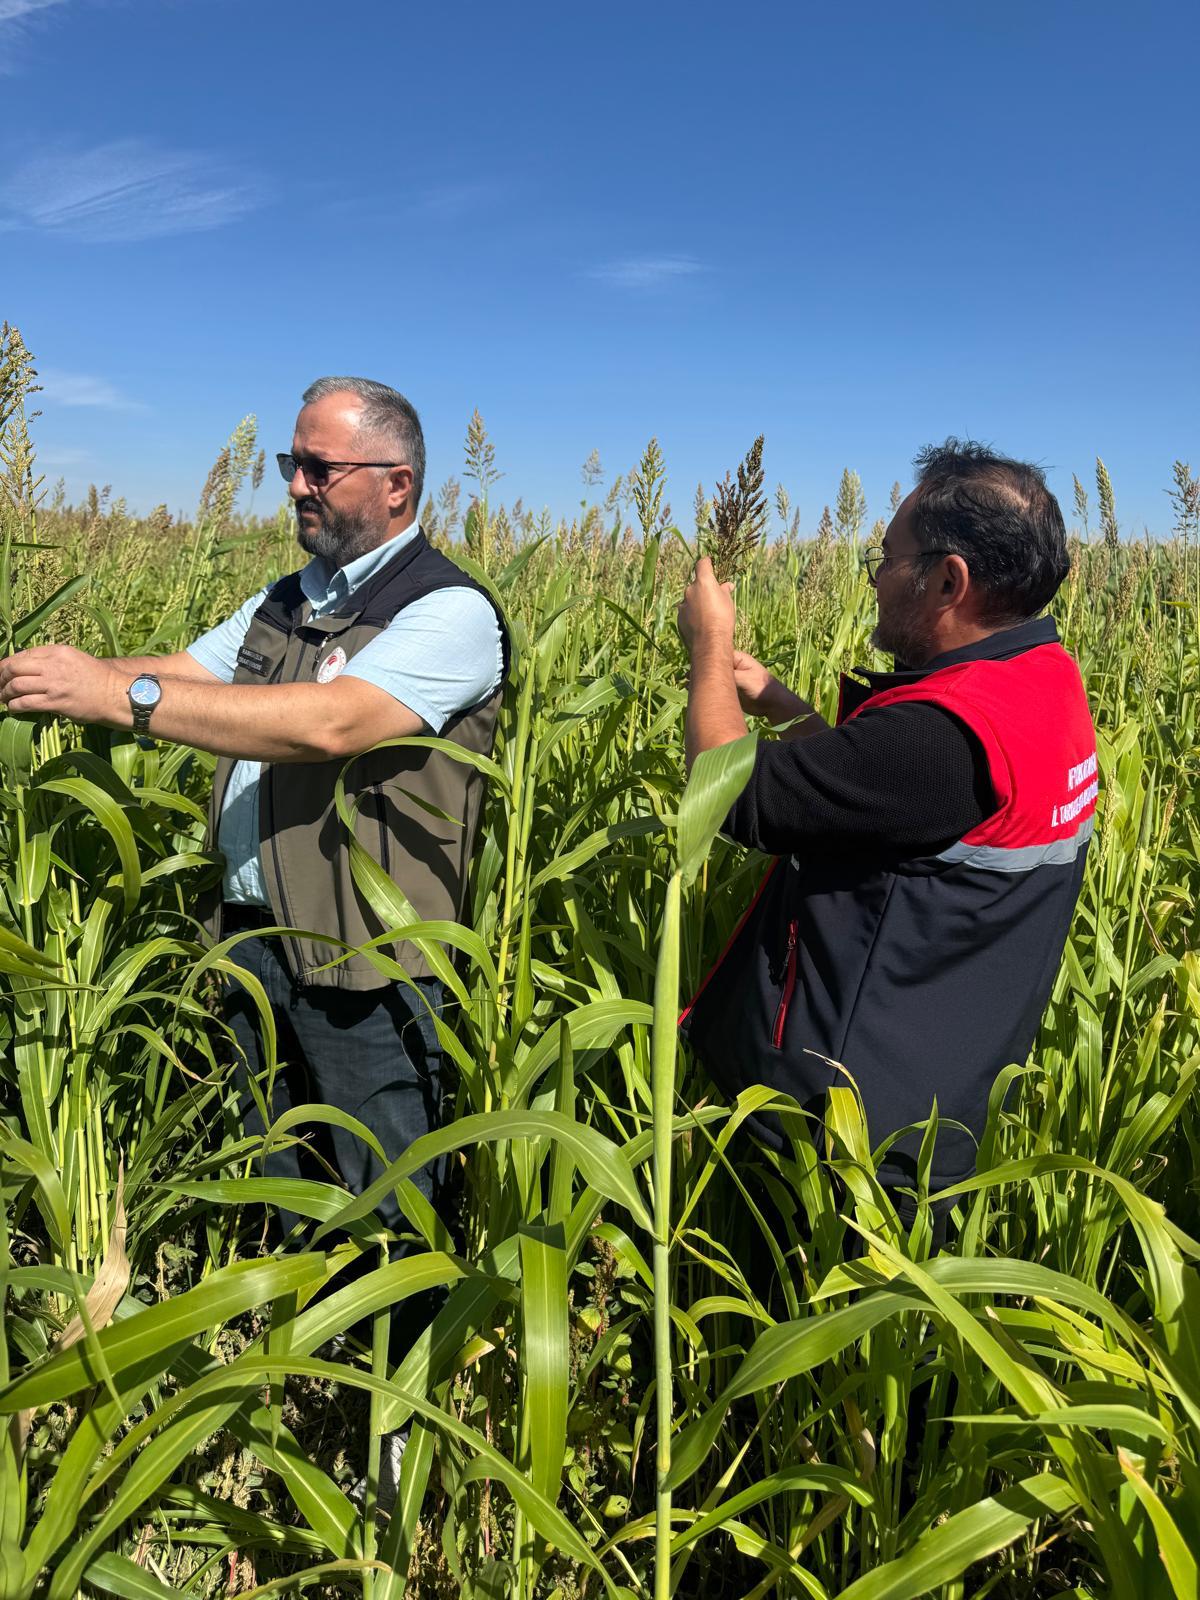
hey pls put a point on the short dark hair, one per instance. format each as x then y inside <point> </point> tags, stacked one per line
<point>387,416</point>
<point>1000,517</point>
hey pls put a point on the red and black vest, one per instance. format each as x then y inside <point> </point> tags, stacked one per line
<point>924,976</point>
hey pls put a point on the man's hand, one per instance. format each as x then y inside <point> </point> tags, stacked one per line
<point>707,610</point>
<point>755,685</point>
<point>760,694</point>
<point>57,680</point>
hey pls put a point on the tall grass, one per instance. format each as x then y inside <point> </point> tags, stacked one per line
<point>658,1367</point>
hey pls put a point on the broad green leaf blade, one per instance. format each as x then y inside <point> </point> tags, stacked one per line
<point>116,1574</point>
<point>51,1200</point>
<point>717,778</point>
<point>115,823</point>
<point>594,1025</point>
<point>945,1552</point>
<point>1173,1548</point>
<point>160,1329</point>
<point>602,1164</point>
<point>545,1353</point>
<point>27,627</point>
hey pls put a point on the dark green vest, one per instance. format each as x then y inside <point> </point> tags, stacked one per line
<point>396,795</point>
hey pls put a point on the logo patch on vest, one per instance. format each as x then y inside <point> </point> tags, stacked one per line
<point>331,666</point>
<point>252,661</point>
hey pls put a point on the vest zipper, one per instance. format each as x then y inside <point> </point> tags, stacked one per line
<point>789,984</point>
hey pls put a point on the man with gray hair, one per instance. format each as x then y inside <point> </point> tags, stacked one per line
<point>378,637</point>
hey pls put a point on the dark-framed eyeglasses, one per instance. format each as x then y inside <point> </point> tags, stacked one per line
<point>876,555</point>
<point>317,471</point>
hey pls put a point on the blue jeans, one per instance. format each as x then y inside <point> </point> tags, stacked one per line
<point>374,1054</point>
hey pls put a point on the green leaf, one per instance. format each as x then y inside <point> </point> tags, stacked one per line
<point>25,629</point>
<point>594,1025</point>
<point>718,776</point>
<point>51,1200</point>
<point>16,746</point>
<point>21,958</point>
<point>602,1164</point>
<point>115,823</point>
<point>945,1552</point>
<point>545,1353</point>
<point>1173,1548</point>
<point>119,1575</point>
<point>160,1329</point>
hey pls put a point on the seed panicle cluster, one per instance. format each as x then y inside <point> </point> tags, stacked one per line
<point>739,517</point>
<point>480,455</point>
<point>1108,509</point>
<point>647,482</point>
<point>19,486</point>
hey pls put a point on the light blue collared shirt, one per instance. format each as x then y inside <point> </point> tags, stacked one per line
<point>439,656</point>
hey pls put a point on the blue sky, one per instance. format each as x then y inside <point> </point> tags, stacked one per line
<point>855,228</point>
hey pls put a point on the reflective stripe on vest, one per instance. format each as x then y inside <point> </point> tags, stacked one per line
<point>1020,858</point>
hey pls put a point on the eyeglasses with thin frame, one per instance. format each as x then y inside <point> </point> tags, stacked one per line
<point>316,471</point>
<point>875,557</point>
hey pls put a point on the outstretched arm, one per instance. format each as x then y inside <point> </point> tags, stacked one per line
<point>255,722</point>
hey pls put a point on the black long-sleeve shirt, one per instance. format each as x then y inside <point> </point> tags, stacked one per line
<point>910,779</point>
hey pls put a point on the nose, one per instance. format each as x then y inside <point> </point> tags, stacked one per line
<point>298,488</point>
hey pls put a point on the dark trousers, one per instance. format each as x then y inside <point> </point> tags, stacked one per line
<point>374,1054</point>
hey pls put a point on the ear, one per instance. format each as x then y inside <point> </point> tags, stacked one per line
<point>955,582</point>
<point>400,489</point>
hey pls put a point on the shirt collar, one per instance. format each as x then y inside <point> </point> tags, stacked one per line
<point>323,584</point>
<point>999,646</point>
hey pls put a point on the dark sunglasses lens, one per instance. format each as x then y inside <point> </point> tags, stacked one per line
<point>316,471</point>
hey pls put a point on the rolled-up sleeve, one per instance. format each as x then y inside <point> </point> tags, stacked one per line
<point>218,648</point>
<point>441,655</point>
<point>908,777</point>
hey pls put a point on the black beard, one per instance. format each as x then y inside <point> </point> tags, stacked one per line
<point>337,537</point>
<point>906,641</point>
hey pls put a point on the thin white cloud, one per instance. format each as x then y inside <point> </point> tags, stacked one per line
<point>18,19</point>
<point>11,10</point>
<point>80,389</point>
<point>122,192</point>
<point>646,272</point>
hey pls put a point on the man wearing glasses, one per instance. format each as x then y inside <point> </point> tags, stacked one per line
<point>378,637</point>
<point>929,847</point>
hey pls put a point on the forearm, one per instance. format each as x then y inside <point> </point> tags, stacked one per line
<point>248,721</point>
<point>251,722</point>
<point>135,665</point>
<point>714,715</point>
<point>179,664</point>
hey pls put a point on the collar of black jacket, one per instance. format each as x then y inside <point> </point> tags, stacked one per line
<point>999,646</point>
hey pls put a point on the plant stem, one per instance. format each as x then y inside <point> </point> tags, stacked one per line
<point>664,1052</point>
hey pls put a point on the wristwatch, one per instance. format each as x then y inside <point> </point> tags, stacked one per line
<point>144,694</point>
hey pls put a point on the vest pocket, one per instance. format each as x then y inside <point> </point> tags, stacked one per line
<point>789,985</point>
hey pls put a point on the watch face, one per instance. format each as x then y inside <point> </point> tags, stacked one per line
<point>145,692</point>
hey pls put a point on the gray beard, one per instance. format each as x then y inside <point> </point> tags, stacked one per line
<point>337,537</point>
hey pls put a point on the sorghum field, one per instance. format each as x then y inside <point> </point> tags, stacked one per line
<point>635,1385</point>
